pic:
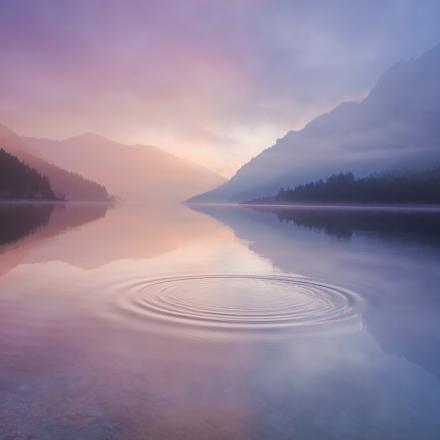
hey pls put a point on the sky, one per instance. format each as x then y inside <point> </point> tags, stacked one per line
<point>214,81</point>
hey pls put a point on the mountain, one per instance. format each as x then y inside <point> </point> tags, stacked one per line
<point>19,181</point>
<point>403,187</point>
<point>64,184</point>
<point>394,127</point>
<point>131,172</point>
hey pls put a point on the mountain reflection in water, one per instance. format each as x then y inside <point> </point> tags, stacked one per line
<point>18,221</point>
<point>417,225</point>
<point>393,259</point>
<point>219,322</point>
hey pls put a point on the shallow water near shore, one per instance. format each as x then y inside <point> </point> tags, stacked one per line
<point>219,322</point>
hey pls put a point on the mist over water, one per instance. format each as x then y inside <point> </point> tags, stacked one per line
<point>217,322</point>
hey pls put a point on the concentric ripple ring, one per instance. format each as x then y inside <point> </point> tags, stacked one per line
<point>239,301</point>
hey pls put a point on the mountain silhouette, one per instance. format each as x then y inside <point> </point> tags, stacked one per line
<point>421,187</point>
<point>395,127</point>
<point>21,182</point>
<point>131,172</point>
<point>65,184</point>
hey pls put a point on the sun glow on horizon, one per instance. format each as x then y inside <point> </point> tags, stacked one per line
<point>213,82</point>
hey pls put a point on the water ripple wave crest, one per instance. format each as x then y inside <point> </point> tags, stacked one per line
<point>239,301</point>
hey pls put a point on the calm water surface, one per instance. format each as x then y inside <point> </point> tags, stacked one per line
<point>218,323</point>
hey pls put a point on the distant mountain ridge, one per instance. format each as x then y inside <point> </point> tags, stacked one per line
<point>131,172</point>
<point>395,126</point>
<point>64,184</point>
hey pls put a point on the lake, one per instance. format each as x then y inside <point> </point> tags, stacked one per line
<point>218,322</point>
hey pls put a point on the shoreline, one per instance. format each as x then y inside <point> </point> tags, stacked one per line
<point>333,206</point>
<point>53,202</point>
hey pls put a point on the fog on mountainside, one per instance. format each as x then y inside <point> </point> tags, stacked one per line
<point>130,172</point>
<point>394,127</point>
<point>65,184</point>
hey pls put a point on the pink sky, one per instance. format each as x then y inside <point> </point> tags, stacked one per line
<point>213,81</point>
